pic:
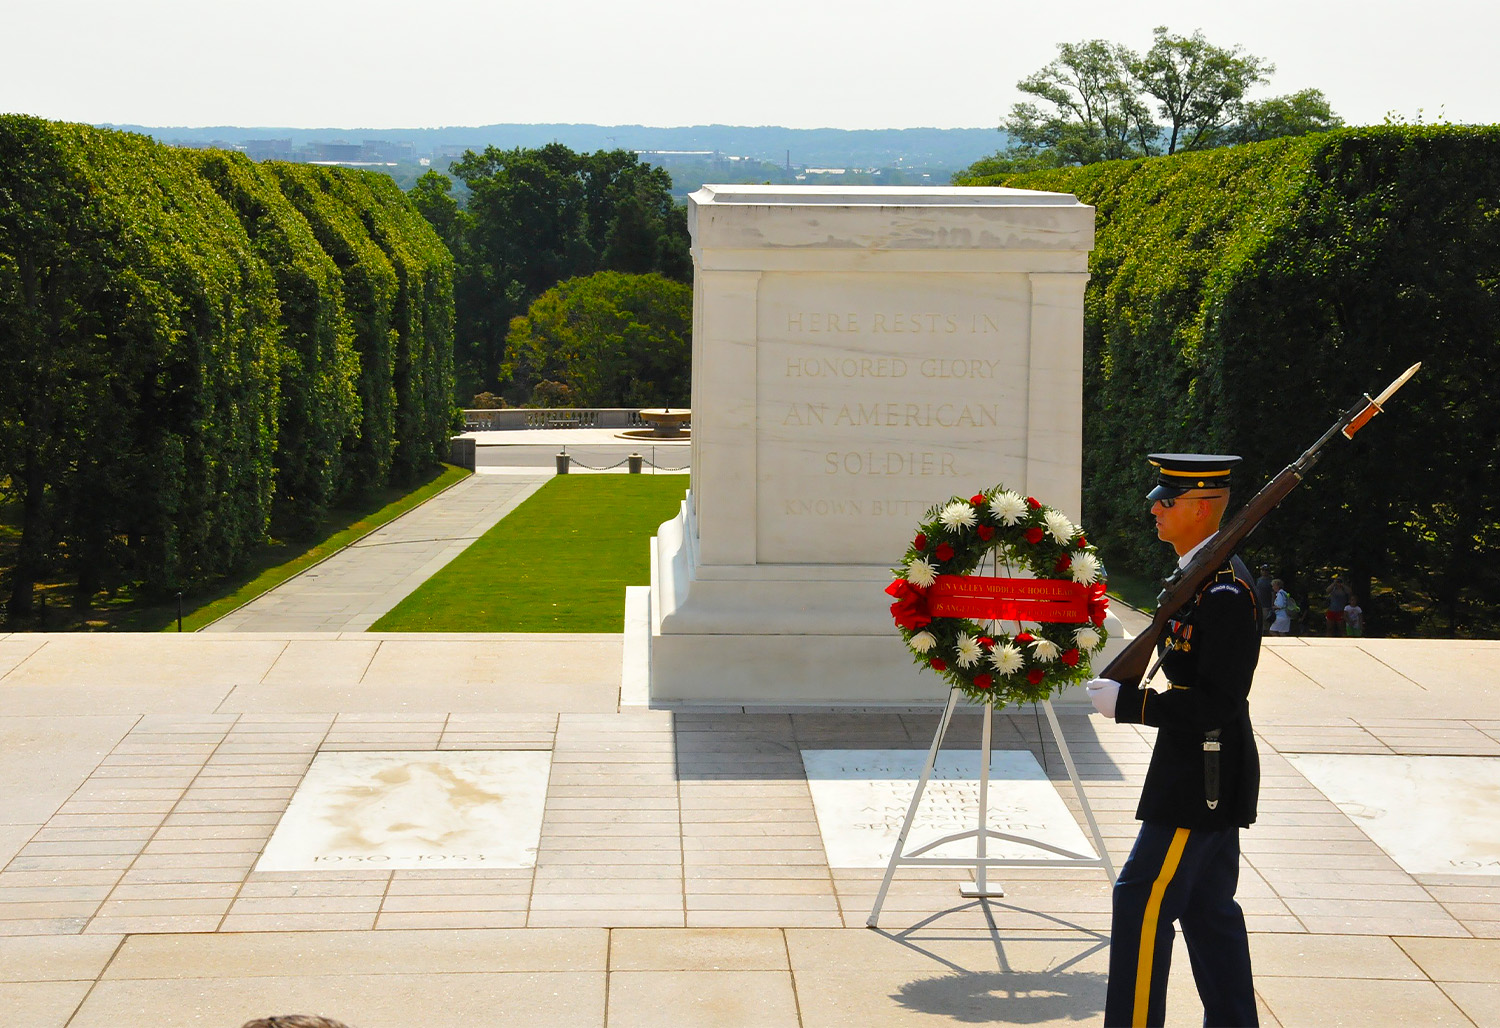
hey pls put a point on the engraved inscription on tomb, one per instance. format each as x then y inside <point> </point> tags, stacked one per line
<point>877,398</point>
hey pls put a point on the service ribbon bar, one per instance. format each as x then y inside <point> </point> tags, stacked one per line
<point>1008,599</point>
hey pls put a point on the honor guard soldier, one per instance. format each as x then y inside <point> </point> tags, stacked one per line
<point>1204,778</point>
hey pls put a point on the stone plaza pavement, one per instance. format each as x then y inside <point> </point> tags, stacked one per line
<point>680,878</point>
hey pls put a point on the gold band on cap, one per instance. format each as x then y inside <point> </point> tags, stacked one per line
<point>1200,473</point>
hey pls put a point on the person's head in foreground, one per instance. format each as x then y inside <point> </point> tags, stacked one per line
<point>1191,495</point>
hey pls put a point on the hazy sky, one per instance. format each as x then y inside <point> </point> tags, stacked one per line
<point>800,63</point>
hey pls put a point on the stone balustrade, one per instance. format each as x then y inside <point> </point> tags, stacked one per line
<point>552,417</point>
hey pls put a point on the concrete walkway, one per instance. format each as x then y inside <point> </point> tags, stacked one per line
<point>680,878</point>
<point>349,591</point>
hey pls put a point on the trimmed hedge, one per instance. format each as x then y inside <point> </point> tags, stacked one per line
<point>1241,298</point>
<point>319,367</point>
<point>178,357</point>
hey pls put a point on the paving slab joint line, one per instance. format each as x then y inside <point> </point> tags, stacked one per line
<point>336,552</point>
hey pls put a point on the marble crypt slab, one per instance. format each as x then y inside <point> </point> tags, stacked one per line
<point>1431,814</point>
<point>861,797</point>
<point>448,810</point>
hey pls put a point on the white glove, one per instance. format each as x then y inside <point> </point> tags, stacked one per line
<point>1102,694</point>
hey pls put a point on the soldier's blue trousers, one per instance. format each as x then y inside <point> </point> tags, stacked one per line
<point>1188,876</point>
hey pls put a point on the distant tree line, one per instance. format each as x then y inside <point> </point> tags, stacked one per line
<point>194,347</point>
<point>1102,101</point>
<point>1241,298</point>
<point>535,218</point>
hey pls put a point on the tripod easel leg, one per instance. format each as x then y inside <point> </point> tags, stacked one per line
<point>982,886</point>
<point>911,810</point>
<point>1083,801</point>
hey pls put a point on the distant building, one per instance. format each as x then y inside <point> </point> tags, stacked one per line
<point>340,152</point>
<point>268,149</point>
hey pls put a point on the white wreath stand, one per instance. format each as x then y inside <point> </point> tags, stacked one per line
<point>981,862</point>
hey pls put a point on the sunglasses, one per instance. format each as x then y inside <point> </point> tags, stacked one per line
<point>1169,502</point>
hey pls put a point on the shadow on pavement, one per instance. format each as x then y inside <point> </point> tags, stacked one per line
<point>1028,997</point>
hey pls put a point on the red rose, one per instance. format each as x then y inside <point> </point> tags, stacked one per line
<point>1025,637</point>
<point>1034,535</point>
<point>982,681</point>
<point>977,499</point>
<point>986,642</point>
<point>943,552</point>
<point>985,532</point>
<point>1035,676</point>
<point>1063,563</point>
<point>1031,502</point>
<point>920,542</point>
<point>1070,658</point>
<point>1082,542</point>
<point>938,664</point>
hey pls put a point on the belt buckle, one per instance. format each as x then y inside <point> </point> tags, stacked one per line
<point>1212,746</point>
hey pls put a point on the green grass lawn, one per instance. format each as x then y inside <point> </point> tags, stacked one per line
<point>559,562</point>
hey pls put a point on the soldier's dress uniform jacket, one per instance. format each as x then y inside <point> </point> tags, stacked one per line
<point>1210,652</point>
<point>1185,863</point>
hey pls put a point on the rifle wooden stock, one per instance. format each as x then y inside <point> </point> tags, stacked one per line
<point>1130,664</point>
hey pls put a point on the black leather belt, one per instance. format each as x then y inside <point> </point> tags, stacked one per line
<point>1211,748</point>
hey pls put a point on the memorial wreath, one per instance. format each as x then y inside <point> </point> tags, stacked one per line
<point>959,623</point>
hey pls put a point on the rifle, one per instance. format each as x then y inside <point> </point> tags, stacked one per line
<point>1129,665</point>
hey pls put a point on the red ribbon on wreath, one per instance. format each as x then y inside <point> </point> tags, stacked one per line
<point>997,599</point>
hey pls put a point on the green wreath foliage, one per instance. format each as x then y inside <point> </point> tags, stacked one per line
<point>1003,533</point>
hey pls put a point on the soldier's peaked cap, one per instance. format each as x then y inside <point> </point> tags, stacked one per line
<point>1179,472</point>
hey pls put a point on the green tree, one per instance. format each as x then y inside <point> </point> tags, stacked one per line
<point>538,216</point>
<point>1197,86</point>
<point>608,340</point>
<point>1098,101</point>
<point>1089,109</point>
<point>1296,114</point>
<point>432,195</point>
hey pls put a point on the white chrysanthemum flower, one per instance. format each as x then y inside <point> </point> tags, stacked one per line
<point>1058,524</point>
<point>1044,649</point>
<point>920,573</point>
<point>1085,568</point>
<point>968,650</point>
<point>1008,508</point>
<point>958,514</point>
<point>922,642</point>
<point>1087,638</point>
<point>1006,659</point>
